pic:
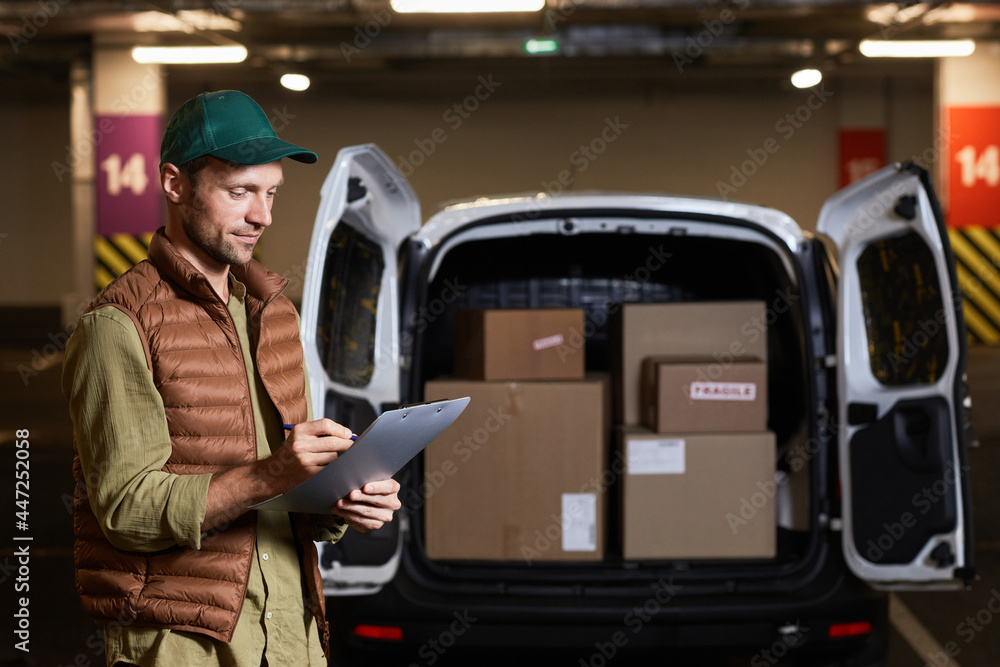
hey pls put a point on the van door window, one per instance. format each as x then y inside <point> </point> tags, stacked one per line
<point>904,312</point>
<point>348,304</point>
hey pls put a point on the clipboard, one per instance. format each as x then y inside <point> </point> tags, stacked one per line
<point>388,444</point>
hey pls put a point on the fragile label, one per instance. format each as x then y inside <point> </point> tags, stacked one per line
<point>656,457</point>
<point>723,391</point>
<point>579,522</point>
<point>547,342</point>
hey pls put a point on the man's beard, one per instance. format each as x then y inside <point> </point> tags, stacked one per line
<point>216,248</point>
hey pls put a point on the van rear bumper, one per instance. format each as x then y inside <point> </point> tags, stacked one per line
<point>797,623</point>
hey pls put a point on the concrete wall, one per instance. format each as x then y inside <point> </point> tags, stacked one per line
<point>35,230</point>
<point>508,139</point>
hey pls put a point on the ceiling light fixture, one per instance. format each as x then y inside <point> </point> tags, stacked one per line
<point>806,78</point>
<point>465,7</point>
<point>189,55</point>
<point>944,48</point>
<point>297,82</point>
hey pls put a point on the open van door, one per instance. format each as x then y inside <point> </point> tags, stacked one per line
<point>350,329</point>
<point>903,400</point>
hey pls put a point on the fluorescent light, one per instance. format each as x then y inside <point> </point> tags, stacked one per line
<point>189,55</point>
<point>297,82</point>
<point>917,49</point>
<point>465,6</point>
<point>806,78</point>
<point>541,46</point>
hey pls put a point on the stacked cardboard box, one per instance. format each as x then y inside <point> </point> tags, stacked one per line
<point>697,495</point>
<point>526,344</point>
<point>692,394</point>
<point>519,475</point>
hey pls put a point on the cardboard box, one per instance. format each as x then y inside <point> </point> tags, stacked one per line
<point>518,476</point>
<point>528,344</point>
<point>698,496</point>
<point>699,395</point>
<point>724,331</point>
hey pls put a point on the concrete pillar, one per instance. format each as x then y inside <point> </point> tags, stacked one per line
<point>129,101</point>
<point>968,177</point>
<point>81,121</point>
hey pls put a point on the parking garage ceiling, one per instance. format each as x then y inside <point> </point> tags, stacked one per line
<point>365,45</point>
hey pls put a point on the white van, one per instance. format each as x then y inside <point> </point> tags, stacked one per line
<point>867,400</point>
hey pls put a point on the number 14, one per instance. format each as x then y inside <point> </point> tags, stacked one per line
<point>985,167</point>
<point>131,175</point>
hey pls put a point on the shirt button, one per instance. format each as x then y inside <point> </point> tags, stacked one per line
<point>264,556</point>
<point>269,614</point>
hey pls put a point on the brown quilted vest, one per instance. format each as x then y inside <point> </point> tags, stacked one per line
<point>193,351</point>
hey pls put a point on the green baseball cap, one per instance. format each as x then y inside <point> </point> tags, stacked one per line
<point>226,124</point>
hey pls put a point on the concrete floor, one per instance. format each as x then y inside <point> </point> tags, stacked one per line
<point>926,625</point>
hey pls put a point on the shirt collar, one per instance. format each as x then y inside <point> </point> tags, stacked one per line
<point>236,288</point>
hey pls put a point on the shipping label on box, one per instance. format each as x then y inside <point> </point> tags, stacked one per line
<point>656,457</point>
<point>519,475</point>
<point>579,522</point>
<point>682,395</point>
<point>523,344</point>
<point>681,501</point>
<point>723,391</point>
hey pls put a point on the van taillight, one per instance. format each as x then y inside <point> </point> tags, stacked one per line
<point>383,632</point>
<point>839,630</point>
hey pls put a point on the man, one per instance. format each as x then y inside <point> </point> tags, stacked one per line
<point>180,376</point>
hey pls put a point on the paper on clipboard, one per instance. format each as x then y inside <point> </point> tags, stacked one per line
<point>378,453</point>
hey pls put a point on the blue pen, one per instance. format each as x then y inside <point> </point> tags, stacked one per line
<point>288,427</point>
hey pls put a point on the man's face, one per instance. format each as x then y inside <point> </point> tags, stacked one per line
<point>230,209</point>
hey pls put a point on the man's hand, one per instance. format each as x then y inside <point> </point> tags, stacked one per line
<point>370,507</point>
<point>308,447</point>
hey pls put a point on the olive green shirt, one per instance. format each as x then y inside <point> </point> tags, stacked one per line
<point>115,406</point>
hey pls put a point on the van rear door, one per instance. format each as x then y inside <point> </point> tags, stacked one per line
<point>350,328</point>
<point>901,384</point>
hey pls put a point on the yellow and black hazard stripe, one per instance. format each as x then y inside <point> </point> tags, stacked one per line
<point>116,254</point>
<point>977,263</point>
